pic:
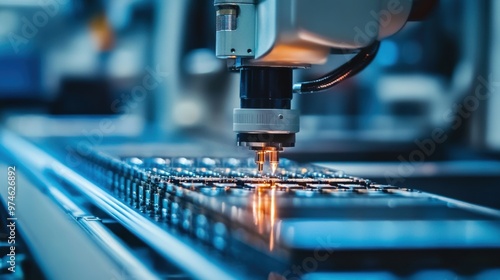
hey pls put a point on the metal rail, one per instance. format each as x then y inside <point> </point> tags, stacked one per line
<point>177,252</point>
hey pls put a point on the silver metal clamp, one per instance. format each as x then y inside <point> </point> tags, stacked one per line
<point>266,120</point>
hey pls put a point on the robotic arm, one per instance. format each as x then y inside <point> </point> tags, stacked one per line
<point>266,39</point>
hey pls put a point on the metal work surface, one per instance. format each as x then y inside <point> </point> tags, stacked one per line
<point>306,216</point>
<point>206,217</point>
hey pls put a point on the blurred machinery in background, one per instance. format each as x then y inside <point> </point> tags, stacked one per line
<point>46,63</point>
<point>382,105</point>
<point>117,117</point>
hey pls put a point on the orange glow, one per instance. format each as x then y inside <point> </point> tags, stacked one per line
<point>296,54</point>
<point>265,212</point>
<point>102,32</point>
<point>273,217</point>
<point>274,166</point>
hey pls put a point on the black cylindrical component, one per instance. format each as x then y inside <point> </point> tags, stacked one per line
<point>266,87</point>
<point>271,140</point>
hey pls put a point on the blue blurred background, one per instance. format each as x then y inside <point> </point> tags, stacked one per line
<point>425,111</point>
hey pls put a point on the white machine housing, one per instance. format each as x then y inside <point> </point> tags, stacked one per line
<point>302,32</point>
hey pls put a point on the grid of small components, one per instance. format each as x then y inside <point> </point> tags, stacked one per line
<point>216,199</point>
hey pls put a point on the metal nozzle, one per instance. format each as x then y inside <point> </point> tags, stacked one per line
<point>274,160</point>
<point>265,122</point>
<point>260,160</point>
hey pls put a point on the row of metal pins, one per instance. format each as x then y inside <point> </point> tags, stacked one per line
<point>141,189</point>
<point>136,187</point>
<point>145,195</point>
<point>136,192</point>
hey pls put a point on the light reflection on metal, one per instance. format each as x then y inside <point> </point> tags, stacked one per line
<point>255,208</point>
<point>272,216</point>
<point>264,211</point>
<point>260,211</point>
<point>273,160</point>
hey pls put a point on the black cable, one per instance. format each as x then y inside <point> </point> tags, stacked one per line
<point>347,70</point>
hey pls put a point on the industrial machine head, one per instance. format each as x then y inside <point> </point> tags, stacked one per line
<point>266,39</point>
